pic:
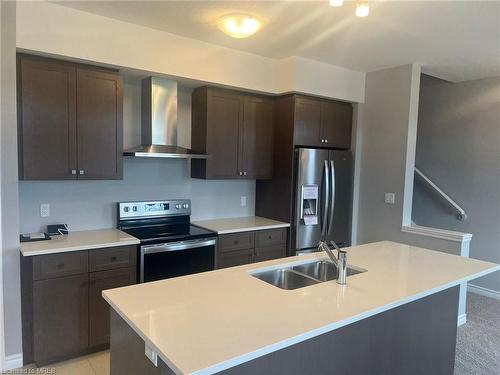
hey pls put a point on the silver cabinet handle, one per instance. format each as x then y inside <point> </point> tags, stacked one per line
<point>301,212</point>
<point>244,173</point>
<point>82,171</point>
<point>240,173</point>
<point>73,171</point>
<point>326,140</point>
<point>322,141</point>
<point>325,205</point>
<point>332,200</point>
<point>176,246</point>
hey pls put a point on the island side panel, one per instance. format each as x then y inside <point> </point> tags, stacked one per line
<point>416,338</point>
<point>127,351</point>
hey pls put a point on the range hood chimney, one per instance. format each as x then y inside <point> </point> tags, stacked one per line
<point>159,122</point>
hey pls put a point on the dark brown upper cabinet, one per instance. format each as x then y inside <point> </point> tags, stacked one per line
<point>336,124</point>
<point>307,122</point>
<point>236,130</point>
<point>69,120</point>
<point>256,153</point>
<point>322,123</point>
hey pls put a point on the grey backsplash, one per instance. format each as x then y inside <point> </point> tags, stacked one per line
<point>87,205</point>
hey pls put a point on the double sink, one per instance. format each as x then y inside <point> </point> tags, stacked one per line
<point>304,274</point>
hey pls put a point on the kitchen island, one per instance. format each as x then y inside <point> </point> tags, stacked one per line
<point>399,316</point>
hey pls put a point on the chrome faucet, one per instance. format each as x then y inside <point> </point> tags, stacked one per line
<point>340,261</point>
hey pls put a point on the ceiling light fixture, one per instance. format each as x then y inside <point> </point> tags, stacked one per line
<point>239,25</point>
<point>336,3</point>
<point>362,8</point>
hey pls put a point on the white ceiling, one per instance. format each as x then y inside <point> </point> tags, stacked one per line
<point>454,40</point>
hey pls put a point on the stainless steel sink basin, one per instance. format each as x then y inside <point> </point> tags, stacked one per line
<point>302,275</point>
<point>323,270</point>
<point>285,278</point>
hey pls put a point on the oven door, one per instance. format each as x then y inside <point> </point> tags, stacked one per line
<point>172,259</point>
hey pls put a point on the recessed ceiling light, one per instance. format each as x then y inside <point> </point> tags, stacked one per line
<point>362,8</point>
<point>336,3</point>
<point>239,25</point>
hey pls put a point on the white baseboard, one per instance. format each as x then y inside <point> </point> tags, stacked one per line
<point>462,319</point>
<point>13,361</point>
<point>483,291</point>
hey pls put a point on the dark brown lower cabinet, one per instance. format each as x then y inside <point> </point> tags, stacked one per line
<point>236,249</point>
<point>235,258</point>
<point>268,253</point>
<point>98,307</point>
<point>60,317</point>
<point>63,312</point>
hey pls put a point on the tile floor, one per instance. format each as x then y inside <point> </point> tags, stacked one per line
<point>92,364</point>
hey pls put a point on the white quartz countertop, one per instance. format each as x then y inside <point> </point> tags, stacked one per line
<point>207,322</point>
<point>81,240</point>
<point>240,224</point>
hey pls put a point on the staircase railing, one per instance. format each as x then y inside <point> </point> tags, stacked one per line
<point>461,215</point>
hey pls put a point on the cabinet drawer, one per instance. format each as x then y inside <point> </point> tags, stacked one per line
<point>236,241</point>
<point>235,258</point>
<point>112,257</point>
<point>59,265</point>
<point>270,252</point>
<point>270,237</point>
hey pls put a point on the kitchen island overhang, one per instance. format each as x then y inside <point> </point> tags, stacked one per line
<point>227,320</point>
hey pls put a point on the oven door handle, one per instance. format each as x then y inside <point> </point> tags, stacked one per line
<point>176,246</point>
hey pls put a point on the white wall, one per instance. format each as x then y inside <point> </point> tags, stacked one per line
<point>387,127</point>
<point>385,153</point>
<point>54,29</point>
<point>92,204</point>
<point>458,148</point>
<point>9,199</point>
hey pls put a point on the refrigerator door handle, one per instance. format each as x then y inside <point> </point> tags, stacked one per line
<point>332,200</point>
<point>325,204</point>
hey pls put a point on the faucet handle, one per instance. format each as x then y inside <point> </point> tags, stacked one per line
<point>337,247</point>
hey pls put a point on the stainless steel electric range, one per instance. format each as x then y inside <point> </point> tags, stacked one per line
<point>170,246</point>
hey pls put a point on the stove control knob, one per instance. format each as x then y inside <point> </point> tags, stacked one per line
<point>177,206</point>
<point>134,208</point>
<point>126,209</point>
<point>185,205</point>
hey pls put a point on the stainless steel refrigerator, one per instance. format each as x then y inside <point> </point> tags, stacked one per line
<point>323,197</point>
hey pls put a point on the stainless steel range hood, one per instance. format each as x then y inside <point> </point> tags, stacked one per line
<point>159,122</point>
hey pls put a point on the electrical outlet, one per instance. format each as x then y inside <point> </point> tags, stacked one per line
<point>243,201</point>
<point>45,210</point>
<point>390,198</point>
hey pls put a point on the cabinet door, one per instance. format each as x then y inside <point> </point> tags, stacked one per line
<point>98,307</point>
<point>336,124</point>
<point>224,115</point>
<point>270,252</point>
<point>99,123</point>
<point>235,258</point>
<point>47,119</point>
<point>256,151</point>
<point>60,318</point>
<point>307,122</point>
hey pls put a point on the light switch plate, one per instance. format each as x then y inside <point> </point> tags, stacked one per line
<point>390,198</point>
<point>45,210</point>
<point>243,201</point>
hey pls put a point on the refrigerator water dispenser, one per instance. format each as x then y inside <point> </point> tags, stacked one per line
<point>309,207</point>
